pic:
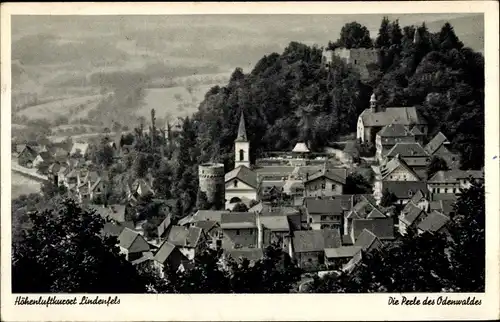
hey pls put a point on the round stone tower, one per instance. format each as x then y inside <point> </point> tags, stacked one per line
<point>211,178</point>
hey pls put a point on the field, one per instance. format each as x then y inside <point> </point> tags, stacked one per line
<point>23,186</point>
<point>173,102</point>
<point>65,107</point>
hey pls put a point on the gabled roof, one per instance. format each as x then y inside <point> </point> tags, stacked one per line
<point>325,206</point>
<point>316,240</point>
<point>252,254</point>
<point>163,226</point>
<point>338,175</point>
<point>128,237</point>
<point>206,225</point>
<point>301,148</point>
<point>375,213</point>
<point>243,174</point>
<point>164,252</point>
<point>45,156</point>
<point>242,133</point>
<point>342,252</point>
<point>435,143</point>
<point>142,186</point>
<point>238,220</point>
<point>416,131</point>
<point>365,239</point>
<point>433,222</point>
<point>184,237</point>
<point>419,195</point>
<point>275,223</point>
<point>382,228</point>
<point>392,115</point>
<point>393,164</point>
<point>213,215</point>
<point>410,213</point>
<point>442,206</point>
<point>407,149</point>
<point>451,176</point>
<point>404,189</point>
<point>394,130</point>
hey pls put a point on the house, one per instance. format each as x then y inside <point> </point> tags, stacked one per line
<point>239,230</point>
<point>141,188</point>
<point>365,208</point>
<point>419,135</point>
<point>79,148</point>
<point>389,136</point>
<point>202,215</point>
<point>212,231</point>
<point>439,147</point>
<point>132,244</point>
<point>241,183</point>
<point>309,247</point>
<point>168,255</point>
<point>412,153</point>
<point>189,241</point>
<point>451,181</point>
<point>269,190</point>
<point>372,120</point>
<point>382,228</point>
<point>445,207</point>
<point>402,190</point>
<point>27,156</point>
<point>410,216</point>
<point>434,223</point>
<point>99,188</point>
<point>252,255</point>
<point>327,213</point>
<point>275,230</point>
<point>396,169</point>
<point>43,158</point>
<point>368,242</point>
<point>163,228</point>
<point>329,182</point>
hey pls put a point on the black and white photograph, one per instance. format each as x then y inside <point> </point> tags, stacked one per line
<point>248,154</point>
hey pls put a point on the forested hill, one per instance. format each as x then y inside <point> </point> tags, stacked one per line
<point>289,96</point>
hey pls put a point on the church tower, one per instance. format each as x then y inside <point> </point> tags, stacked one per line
<point>241,146</point>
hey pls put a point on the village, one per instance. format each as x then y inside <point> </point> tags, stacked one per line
<point>294,199</point>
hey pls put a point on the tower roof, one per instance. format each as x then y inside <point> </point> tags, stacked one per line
<point>242,133</point>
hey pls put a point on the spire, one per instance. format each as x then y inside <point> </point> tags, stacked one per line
<point>416,37</point>
<point>242,133</point>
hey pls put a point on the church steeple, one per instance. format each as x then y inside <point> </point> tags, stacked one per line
<point>242,146</point>
<point>242,132</point>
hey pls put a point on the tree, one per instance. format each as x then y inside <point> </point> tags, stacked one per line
<point>448,39</point>
<point>467,243</point>
<point>240,207</point>
<point>65,252</point>
<point>383,38</point>
<point>354,35</point>
<point>140,166</point>
<point>388,198</point>
<point>357,184</point>
<point>104,155</point>
<point>436,164</point>
<point>202,201</point>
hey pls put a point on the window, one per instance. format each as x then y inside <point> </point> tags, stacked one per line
<point>242,155</point>
<point>323,218</point>
<point>235,183</point>
<point>323,186</point>
<point>237,232</point>
<point>355,62</point>
<point>445,190</point>
<point>333,187</point>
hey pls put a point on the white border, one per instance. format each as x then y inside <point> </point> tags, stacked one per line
<point>264,307</point>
